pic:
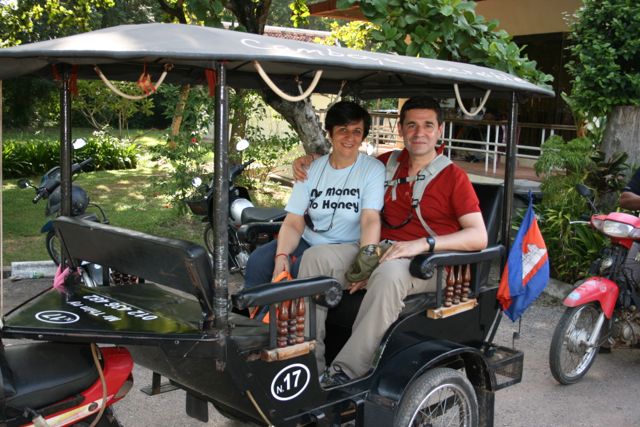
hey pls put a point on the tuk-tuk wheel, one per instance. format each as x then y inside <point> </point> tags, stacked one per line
<point>439,397</point>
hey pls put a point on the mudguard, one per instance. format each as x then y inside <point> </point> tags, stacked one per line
<point>394,378</point>
<point>595,288</point>
<point>48,226</point>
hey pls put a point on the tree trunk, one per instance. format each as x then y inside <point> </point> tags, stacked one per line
<point>176,122</point>
<point>622,134</point>
<point>302,117</point>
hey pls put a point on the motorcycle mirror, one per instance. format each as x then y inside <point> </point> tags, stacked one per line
<point>584,191</point>
<point>79,143</point>
<point>196,182</point>
<point>24,183</point>
<point>242,145</point>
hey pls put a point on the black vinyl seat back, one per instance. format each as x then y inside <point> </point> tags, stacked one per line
<point>178,264</point>
<point>490,197</point>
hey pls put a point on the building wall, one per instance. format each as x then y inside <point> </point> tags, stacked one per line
<point>525,17</point>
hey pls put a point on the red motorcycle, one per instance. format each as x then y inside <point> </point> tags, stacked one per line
<point>55,384</point>
<point>602,311</point>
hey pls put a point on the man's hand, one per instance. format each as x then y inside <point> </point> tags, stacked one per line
<point>405,249</point>
<point>300,167</point>
<point>356,286</point>
<point>630,201</point>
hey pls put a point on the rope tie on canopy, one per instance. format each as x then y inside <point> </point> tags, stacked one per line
<point>477,110</point>
<point>338,95</point>
<point>144,81</point>
<point>280,93</point>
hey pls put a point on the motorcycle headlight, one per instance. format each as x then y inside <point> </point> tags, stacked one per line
<point>616,229</point>
<point>635,234</point>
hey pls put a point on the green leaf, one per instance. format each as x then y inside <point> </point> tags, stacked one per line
<point>446,10</point>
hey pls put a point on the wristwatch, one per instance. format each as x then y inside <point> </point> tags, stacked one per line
<point>431,242</point>
<point>369,249</point>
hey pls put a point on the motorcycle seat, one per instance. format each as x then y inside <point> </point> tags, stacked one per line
<point>44,373</point>
<point>250,215</point>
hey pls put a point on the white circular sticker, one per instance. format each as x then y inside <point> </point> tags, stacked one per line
<point>57,316</point>
<point>290,382</point>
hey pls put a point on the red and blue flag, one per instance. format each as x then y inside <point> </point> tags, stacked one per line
<point>527,271</point>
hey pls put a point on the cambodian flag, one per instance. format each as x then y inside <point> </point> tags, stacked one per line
<point>527,270</point>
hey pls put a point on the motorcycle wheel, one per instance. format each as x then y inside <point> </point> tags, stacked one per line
<point>54,247</point>
<point>208,237</point>
<point>439,397</point>
<point>569,356</point>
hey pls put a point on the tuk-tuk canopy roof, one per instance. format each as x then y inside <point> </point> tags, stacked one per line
<point>122,52</point>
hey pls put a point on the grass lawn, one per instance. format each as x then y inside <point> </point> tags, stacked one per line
<point>128,198</point>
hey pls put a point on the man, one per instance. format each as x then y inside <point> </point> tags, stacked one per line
<point>630,197</point>
<point>446,218</point>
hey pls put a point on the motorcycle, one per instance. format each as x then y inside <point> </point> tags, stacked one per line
<point>602,311</point>
<point>265,222</point>
<point>49,189</point>
<point>53,384</point>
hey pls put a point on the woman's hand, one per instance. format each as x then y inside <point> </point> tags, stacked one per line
<point>281,263</point>
<point>356,286</point>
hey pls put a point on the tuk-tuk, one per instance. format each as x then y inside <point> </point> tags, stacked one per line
<point>436,364</point>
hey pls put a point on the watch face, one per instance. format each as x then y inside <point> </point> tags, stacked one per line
<point>369,250</point>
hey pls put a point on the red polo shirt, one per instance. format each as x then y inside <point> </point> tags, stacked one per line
<point>448,196</point>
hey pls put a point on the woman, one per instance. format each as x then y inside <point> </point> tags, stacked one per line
<point>339,203</point>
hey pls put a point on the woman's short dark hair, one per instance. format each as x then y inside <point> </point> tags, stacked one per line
<point>421,103</point>
<point>344,113</point>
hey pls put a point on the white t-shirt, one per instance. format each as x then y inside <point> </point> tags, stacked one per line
<point>346,191</point>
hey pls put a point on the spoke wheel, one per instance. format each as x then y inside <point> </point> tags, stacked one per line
<point>569,356</point>
<point>440,397</point>
<point>54,247</point>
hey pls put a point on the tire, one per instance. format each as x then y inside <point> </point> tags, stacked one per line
<point>208,238</point>
<point>439,397</point>
<point>569,357</point>
<point>54,247</point>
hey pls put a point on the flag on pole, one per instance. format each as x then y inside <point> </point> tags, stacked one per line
<point>527,271</point>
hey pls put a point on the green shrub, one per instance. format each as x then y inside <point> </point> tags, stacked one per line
<point>268,151</point>
<point>109,152</point>
<point>37,155</point>
<point>573,247</point>
<point>184,154</point>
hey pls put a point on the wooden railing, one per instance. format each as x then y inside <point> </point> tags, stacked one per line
<point>476,140</point>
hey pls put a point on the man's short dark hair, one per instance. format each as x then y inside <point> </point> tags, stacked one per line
<point>421,103</point>
<point>344,113</point>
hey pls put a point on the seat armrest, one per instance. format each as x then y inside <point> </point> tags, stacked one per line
<point>250,232</point>
<point>423,265</point>
<point>270,293</point>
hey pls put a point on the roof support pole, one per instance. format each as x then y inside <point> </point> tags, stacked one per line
<point>509,171</point>
<point>220,218</point>
<point>507,204</point>
<point>66,149</point>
